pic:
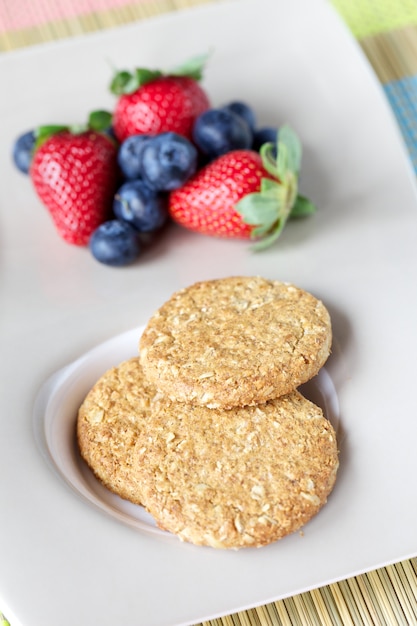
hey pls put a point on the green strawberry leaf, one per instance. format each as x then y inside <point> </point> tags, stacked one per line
<point>99,120</point>
<point>265,242</point>
<point>258,210</point>
<point>284,158</point>
<point>269,186</point>
<point>302,207</point>
<point>193,68</point>
<point>260,231</point>
<point>123,82</point>
<point>282,161</point>
<point>144,76</point>
<point>277,227</point>
<point>289,151</point>
<point>267,211</point>
<point>78,129</point>
<point>42,133</point>
<point>269,160</point>
<point>278,199</point>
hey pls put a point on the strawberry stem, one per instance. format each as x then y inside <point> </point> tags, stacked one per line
<point>125,82</point>
<point>269,209</point>
<point>98,121</point>
<point>268,158</point>
<point>42,133</point>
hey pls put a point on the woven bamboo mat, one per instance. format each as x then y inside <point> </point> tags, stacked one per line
<point>387,32</point>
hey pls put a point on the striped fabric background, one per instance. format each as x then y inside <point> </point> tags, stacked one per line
<point>387,32</point>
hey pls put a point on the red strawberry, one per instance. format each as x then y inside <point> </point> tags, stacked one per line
<point>75,176</point>
<point>152,103</point>
<point>244,194</point>
<point>206,203</point>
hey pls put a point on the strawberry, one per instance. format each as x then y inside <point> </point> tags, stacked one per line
<point>151,102</point>
<point>74,172</point>
<point>206,203</point>
<point>244,194</point>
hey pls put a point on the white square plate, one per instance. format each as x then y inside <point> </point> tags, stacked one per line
<point>64,560</point>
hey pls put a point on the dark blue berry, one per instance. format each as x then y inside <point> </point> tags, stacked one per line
<point>168,161</point>
<point>244,111</point>
<point>129,156</point>
<point>23,151</point>
<point>109,131</point>
<point>267,134</point>
<point>218,131</point>
<point>139,205</point>
<point>115,243</point>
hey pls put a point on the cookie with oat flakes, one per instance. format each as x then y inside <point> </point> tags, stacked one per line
<point>244,479</point>
<point>108,423</point>
<point>235,341</point>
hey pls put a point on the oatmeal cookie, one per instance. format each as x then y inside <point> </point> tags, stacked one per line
<point>242,480</point>
<point>109,421</point>
<point>235,341</point>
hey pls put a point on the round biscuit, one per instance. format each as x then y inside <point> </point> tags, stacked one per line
<point>235,341</point>
<point>108,423</point>
<point>239,478</point>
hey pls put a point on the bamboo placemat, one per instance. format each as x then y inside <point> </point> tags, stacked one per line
<point>387,32</point>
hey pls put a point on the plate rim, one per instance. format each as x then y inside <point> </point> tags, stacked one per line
<point>9,602</point>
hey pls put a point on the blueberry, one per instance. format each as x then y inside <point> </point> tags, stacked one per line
<point>267,134</point>
<point>115,243</point>
<point>139,205</point>
<point>244,111</point>
<point>168,161</point>
<point>129,156</point>
<point>218,131</point>
<point>23,151</point>
<point>109,131</point>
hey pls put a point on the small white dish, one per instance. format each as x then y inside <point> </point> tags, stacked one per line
<point>55,416</point>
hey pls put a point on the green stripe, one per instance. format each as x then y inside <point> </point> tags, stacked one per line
<point>370,17</point>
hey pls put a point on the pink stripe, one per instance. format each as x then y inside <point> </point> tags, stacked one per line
<point>19,14</point>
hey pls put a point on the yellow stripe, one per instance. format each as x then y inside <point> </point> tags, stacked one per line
<point>393,55</point>
<point>370,17</point>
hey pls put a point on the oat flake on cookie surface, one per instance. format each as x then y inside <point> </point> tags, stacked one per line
<point>109,421</point>
<point>245,480</point>
<point>235,341</point>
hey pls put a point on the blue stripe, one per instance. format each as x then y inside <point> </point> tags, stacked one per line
<point>402,95</point>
